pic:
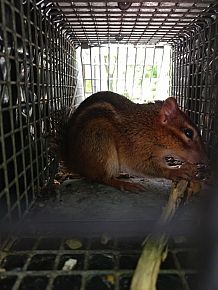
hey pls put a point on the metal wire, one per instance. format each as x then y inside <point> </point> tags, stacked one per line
<point>37,76</point>
<point>144,22</point>
<point>44,258</point>
<point>195,80</point>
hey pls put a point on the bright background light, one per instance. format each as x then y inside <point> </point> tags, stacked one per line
<point>140,73</point>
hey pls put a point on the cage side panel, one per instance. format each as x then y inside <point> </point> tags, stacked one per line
<point>37,76</point>
<point>195,79</point>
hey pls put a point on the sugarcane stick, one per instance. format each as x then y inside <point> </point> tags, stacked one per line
<point>155,247</point>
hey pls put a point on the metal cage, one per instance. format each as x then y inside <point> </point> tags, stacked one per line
<point>195,77</point>
<point>39,75</point>
<point>38,263</point>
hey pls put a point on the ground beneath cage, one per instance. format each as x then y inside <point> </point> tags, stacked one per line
<point>83,207</point>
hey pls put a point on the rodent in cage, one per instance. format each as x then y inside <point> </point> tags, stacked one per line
<point>108,134</point>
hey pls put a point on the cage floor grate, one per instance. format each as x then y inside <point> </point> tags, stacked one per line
<point>102,263</point>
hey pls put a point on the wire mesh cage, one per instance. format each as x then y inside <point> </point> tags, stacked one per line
<point>39,263</point>
<point>53,54</point>
<point>38,76</point>
<point>195,77</point>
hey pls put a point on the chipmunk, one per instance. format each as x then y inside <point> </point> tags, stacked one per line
<point>109,134</point>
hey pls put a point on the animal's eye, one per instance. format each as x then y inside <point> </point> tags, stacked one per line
<point>188,132</point>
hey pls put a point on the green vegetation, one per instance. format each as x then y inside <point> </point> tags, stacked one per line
<point>88,86</point>
<point>151,71</point>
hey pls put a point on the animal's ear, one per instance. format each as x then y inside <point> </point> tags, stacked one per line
<point>168,110</point>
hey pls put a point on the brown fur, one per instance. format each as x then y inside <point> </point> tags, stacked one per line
<point>108,134</point>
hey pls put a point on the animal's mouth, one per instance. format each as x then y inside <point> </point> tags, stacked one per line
<point>203,171</point>
<point>172,161</point>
